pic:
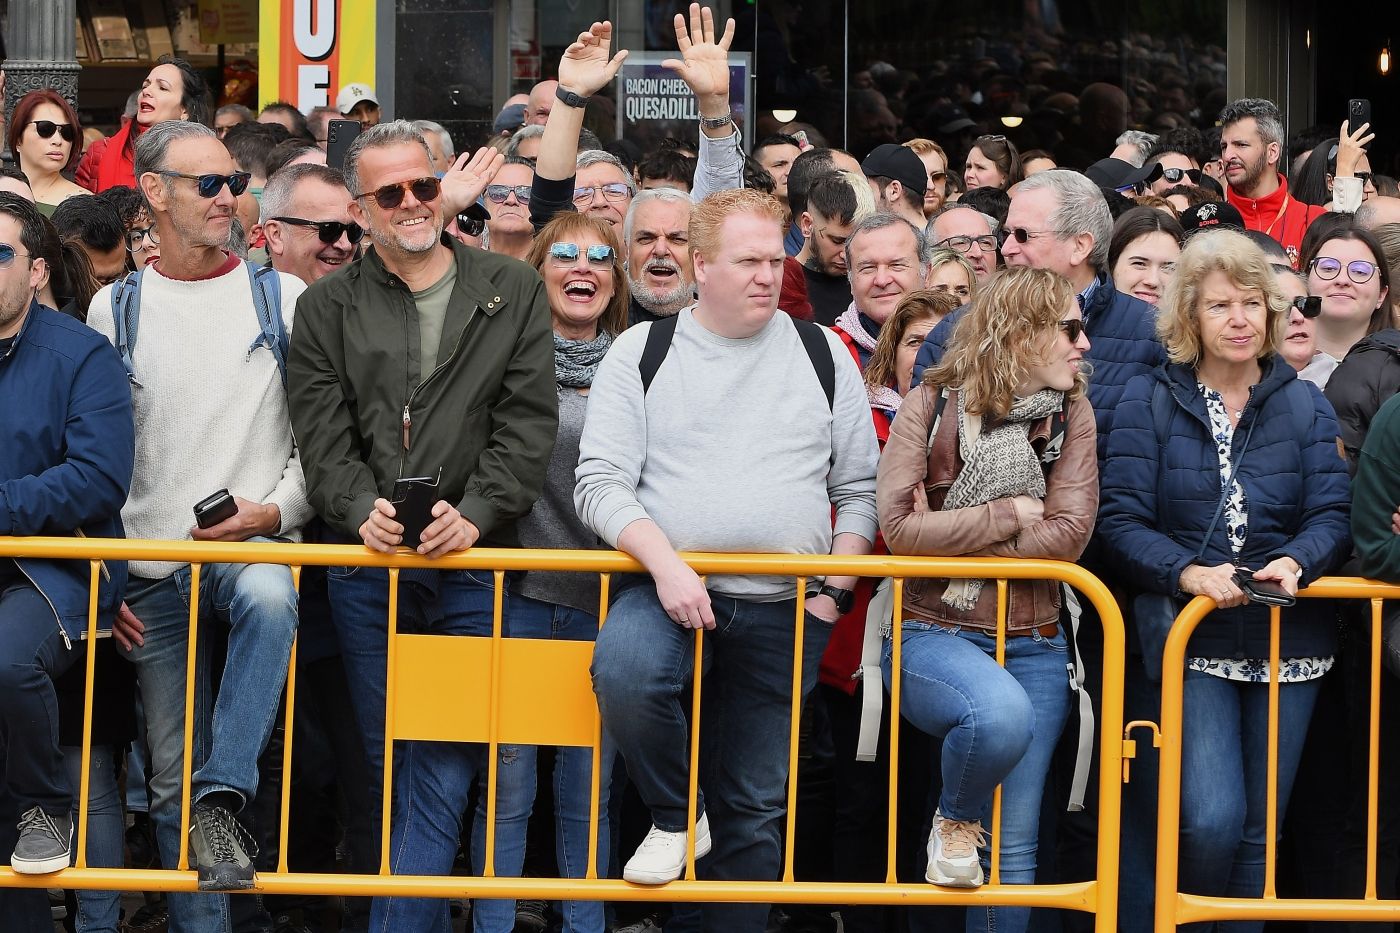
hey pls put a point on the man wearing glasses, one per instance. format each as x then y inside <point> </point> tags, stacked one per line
<point>430,363</point>
<point>306,217</point>
<point>508,199</point>
<point>208,390</point>
<point>970,232</point>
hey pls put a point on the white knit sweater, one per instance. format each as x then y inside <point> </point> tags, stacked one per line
<point>209,414</point>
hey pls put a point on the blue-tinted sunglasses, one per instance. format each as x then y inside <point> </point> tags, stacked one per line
<point>566,253</point>
<point>209,185</point>
<point>8,254</point>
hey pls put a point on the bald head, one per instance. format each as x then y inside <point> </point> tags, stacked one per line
<point>1377,211</point>
<point>541,102</point>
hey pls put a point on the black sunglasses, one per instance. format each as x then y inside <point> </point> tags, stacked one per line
<point>1174,175</point>
<point>209,185</point>
<point>1310,306</point>
<point>391,196</point>
<point>471,225</point>
<point>46,128</point>
<point>1072,328</point>
<point>328,230</point>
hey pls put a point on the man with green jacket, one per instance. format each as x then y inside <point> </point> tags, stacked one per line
<point>433,361</point>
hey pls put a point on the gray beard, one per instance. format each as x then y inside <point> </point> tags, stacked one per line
<point>659,302</point>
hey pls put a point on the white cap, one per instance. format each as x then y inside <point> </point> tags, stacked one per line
<point>352,94</point>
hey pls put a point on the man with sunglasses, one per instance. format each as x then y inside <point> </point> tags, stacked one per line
<point>1178,168</point>
<point>211,409</point>
<point>306,219</point>
<point>430,362</point>
<point>508,200</point>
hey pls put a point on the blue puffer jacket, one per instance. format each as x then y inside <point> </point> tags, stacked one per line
<point>1122,344</point>
<point>1158,498</point>
<point>67,444</point>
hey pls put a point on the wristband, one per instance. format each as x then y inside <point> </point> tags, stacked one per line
<point>717,123</point>
<point>570,99</point>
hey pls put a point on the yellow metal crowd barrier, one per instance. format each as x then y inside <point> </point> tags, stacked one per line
<point>1174,907</point>
<point>532,692</point>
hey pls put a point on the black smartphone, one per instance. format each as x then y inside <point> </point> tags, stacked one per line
<point>1358,112</point>
<point>339,135</point>
<point>211,510</point>
<point>413,501</point>
<point>1267,592</point>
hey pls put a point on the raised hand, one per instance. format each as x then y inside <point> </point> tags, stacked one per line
<point>463,183</point>
<point>1351,147</point>
<point>586,67</point>
<point>705,60</point>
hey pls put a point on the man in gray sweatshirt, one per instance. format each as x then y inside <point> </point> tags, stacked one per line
<point>737,444</point>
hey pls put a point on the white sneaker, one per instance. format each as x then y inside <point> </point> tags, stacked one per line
<point>952,853</point>
<point>661,856</point>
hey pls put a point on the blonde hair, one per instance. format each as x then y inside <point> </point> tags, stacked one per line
<point>1244,264</point>
<point>914,306</point>
<point>707,217</point>
<point>951,257</point>
<point>569,224</point>
<point>926,146</point>
<point>1002,336</point>
<point>865,198</point>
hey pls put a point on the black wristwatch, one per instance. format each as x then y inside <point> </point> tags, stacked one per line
<point>844,599</point>
<point>570,98</point>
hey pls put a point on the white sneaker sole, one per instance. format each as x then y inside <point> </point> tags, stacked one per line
<point>934,876</point>
<point>41,866</point>
<point>638,876</point>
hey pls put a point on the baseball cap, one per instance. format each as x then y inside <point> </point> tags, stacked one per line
<point>898,162</point>
<point>1116,174</point>
<point>1210,216</point>
<point>509,119</point>
<point>352,94</point>
<point>951,119</point>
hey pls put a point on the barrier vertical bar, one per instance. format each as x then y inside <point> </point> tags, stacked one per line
<point>996,794</point>
<point>493,743</point>
<point>1110,762</point>
<point>595,782</point>
<point>84,775</point>
<point>191,652</point>
<point>1271,788</point>
<point>284,826</point>
<point>1169,778</point>
<point>896,658</point>
<point>390,685</point>
<point>1373,754</point>
<point>693,791</point>
<point>795,727</point>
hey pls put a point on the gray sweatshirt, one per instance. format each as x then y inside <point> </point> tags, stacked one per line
<point>733,449</point>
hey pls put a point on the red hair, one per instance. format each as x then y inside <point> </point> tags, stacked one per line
<point>24,113</point>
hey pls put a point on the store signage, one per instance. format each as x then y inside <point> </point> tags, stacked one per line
<point>309,49</point>
<point>653,102</point>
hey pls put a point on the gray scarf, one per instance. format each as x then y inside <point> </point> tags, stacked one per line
<point>576,361</point>
<point>998,462</point>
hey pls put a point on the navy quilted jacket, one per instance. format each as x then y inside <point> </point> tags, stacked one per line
<point>1122,344</point>
<point>1158,498</point>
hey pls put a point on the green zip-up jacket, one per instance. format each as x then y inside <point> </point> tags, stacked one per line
<point>364,416</point>
<point>1375,494</point>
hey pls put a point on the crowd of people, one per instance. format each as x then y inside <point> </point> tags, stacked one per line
<point>1167,363</point>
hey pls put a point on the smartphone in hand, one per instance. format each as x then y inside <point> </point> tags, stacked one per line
<point>1358,112</point>
<point>339,135</point>
<point>214,509</point>
<point>1267,592</point>
<point>413,501</point>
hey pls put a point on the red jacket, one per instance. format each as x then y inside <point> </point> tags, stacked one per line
<point>793,297</point>
<point>1280,215</point>
<point>109,163</point>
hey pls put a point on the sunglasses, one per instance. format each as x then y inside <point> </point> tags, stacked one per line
<point>471,225</point>
<point>209,185</point>
<point>328,230</point>
<point>1175,175</point>
<point>1073,328</point>
<point>1310,306</point>
<point>1365,177</point>
<point>1358,270</point>
<point>989,139</point>
<point>962,244</point>
<point>8,254</point>
<point>615,191</point>
<point>565,254</point>
<point>391,196</point>
<point>498,193</point>
<point>1135,188</point>
<point>1022,235</point>
<point>46,128</point>
<point>136,239</point>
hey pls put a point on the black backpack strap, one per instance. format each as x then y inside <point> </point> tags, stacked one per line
<point>658,344</point>
<point>819,352</point>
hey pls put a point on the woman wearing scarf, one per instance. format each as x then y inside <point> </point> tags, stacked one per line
<point>992,455</point>
<point>578,259</point>
<point>889,374</point>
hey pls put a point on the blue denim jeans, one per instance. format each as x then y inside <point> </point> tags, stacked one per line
<point>258,603</point>
<point>998,725</point>
<point>573,765</point>
<point>1224,768</point>
<point>99,911</point>
<point>432,779</point>
<point>641,667</point>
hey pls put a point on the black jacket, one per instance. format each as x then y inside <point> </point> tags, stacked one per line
<point>1363,382</point>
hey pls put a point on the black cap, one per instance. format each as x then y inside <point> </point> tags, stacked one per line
<point>952,119</point>
<point>898,162</point>
<point>1115,173</point>
<point>1210,216</point>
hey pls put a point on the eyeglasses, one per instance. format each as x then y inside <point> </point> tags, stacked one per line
<point>1175,175</point>
<point>1310,306</point>
<point>614,191</point>
<point>328,230</point>
<point>1073,328</point>
<point>8,254</point>
<point>498,193</point>
<point>565,254</point>
<point>136,239</point>
<point>390,197</point>
<point>937,176</point>
<point>1358,270</point>
<point>46,128</point>
<point>209,185</point>
<point>471,225</point>
<point>1022,235</point>
<point>987,243</point>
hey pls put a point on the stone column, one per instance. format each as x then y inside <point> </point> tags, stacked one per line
<point>40,37</point>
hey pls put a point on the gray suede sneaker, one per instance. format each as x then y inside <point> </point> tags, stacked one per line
<point>45,843</point>
<point>219,848</point>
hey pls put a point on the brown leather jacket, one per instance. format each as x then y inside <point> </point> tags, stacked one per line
<point>990,530</point>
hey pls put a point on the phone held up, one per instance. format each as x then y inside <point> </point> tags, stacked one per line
<point>339,135</point>
<point>1358,112</point>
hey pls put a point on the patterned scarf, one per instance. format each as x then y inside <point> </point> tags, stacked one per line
<point>998,462</point>
<point>576,361</point>
<point>884,398</point>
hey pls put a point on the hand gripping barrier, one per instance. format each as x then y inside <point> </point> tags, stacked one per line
<point>1174,907</point>
<point>524,691</point>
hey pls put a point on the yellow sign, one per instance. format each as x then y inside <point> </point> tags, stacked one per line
<point>309,49</point>
<point>228,22</point>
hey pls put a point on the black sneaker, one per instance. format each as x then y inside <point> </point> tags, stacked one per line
<point>531,916</point>
<point>45,843</point>
<point>220,848</point>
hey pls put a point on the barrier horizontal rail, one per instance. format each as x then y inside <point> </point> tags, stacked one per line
<point>1175,907</point>
<point>1097,896</point>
